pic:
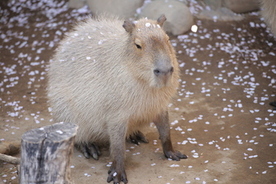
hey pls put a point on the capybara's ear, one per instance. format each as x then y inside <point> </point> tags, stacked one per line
<point>161,20</point>
<point>129,26</point>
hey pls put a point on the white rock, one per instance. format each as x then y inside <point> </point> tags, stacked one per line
<point>269,13</point>
<point>241,6</point>
<point>179,17</point>
<point>221,13</point>
<point>122,8</point>
<point>76,3</point>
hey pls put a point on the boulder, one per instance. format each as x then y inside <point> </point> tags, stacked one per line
<point>241,6</point>
<point>179,17</point>
<point>121,8</point>
<point>223,14</point>
<point>76,3</point>
<point>268,11</point>
<point>213,4</point>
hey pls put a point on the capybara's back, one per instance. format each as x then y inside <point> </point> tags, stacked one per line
<point>85,77</point>
<point>110,77</point>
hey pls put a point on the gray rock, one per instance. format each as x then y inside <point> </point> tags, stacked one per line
<point>222,13</point>
<point>76,3</point>
<point>122,8</point>
<point>213,4</point>
<point>179,17</point>
<point>269,13</point>
<point>241,6</point>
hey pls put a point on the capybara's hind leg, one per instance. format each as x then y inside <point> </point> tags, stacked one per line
<point>89,150</point>
<point>137,137</point>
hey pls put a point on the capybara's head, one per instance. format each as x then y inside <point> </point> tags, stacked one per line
<point>153,57</point>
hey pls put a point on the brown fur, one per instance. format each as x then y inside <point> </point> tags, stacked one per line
<point>100,79</point>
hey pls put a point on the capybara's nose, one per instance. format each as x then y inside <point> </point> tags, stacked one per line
<point>159,71</point>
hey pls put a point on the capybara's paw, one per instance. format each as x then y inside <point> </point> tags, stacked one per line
<point>137,137</point>
<point>116,176</point>
<point>273,104</point>
<point>175,155</point>
<point>89,150</point>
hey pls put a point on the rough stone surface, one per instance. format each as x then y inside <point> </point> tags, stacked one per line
<point>241,6</point>
<point>76,3</point>
<point>213,4</point>
<point>121,8</point>
<point>179,17</point>
<point>269,13</point>
<point>223,14</point>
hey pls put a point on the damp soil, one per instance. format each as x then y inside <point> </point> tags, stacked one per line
<point>220,118</point>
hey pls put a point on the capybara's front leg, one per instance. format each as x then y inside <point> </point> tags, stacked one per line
<point>117,172</point>
<point>163,126</point>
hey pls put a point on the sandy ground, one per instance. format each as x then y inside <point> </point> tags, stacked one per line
<point>220,117</point>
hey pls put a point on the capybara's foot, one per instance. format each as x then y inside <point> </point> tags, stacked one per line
<point>116,175</point>
<point>137,137</point>
<point>89,150</point>
<point>273,104</point>
<point>175,155</point>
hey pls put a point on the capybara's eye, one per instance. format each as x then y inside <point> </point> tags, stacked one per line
<point>138,46</point>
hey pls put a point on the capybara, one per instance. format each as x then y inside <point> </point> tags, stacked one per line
<point>111,77</point>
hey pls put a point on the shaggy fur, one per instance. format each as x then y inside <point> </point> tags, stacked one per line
<point>99,79</point>
<point>102,78</point>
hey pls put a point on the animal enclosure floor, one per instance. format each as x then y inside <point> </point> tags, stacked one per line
<point>220,118</point>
